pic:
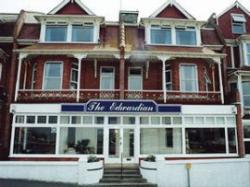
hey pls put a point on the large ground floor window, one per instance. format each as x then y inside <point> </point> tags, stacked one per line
<point>247,138</point>
<point>127,135</point>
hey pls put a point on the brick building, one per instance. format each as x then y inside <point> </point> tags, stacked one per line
<point>80,85</point>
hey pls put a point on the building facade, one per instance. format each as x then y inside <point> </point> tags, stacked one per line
<point>81,86</point>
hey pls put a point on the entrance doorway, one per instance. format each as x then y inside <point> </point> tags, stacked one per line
<point>121,145</point>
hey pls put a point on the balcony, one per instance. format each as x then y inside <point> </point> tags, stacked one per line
<point>68,96</point>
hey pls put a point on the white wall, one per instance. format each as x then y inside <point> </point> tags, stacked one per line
<point>203,173</point>
<point>65,172</point>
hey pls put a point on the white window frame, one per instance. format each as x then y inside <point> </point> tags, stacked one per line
<point>129,76</point>
<point>242,22</point>
<point>196,77</point>
<point>186,29</point>
<point>69,25</point>
<point>113,77</point>
<point>87,24</point>
<point>71,74</point>
<point>169,70</point>
<point>161,27</point>
<point>33,77</point>
<point>44,68</point>
<point>245,53</point>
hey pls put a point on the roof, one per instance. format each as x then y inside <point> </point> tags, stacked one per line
<point>172,3</point>
<point>30,31</point>
<point>65,2</point>
<point>235,4</point>
<point>210,37</point>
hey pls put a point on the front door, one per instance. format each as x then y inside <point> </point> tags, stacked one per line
<point>121,145</point>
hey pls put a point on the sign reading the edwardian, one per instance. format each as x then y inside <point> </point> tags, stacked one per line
<point>120,106</point>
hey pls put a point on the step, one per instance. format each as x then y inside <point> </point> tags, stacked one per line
<point>124,175</point>
<point>123,180</point>
<point>123,185</point>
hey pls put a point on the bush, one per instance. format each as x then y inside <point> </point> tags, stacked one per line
<point>150,158</point>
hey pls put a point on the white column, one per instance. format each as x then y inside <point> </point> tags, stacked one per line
<point>232,56</point>
<point>79,57</point>
<point>220,79</point>
<point>239,85</point>
<point>163,59</point>
<point>20,59</point>
<point>173,32</point>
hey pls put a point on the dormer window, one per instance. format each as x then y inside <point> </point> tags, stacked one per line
<point>56,33</point>
<point>161,34</point>
<point>185,35</point>
<point>83,33</point>
<point>238,24</point>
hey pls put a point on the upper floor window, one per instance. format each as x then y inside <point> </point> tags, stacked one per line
<point>246,93</point>
<point>168,77</point>
<point>135,79</point>
<point>107,81</point>
<point>56,33</point>
<point>188,77</point>
<point>161,34</point>
<point>74,76</point>
<point>185,35</point>
<point>238,24</point>
<point>52,76</point>
<point>247,54</point>
<point>83,33</point>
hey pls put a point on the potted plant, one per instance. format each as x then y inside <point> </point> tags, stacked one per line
<point>150,158</point>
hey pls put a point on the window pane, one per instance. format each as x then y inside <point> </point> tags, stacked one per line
<point>53,76</point>
<point>155,120</point>
<point>81,141</point>
<point>19,119</point>
<point>99,120</point>
<point>210,120</point>
<point>161,141</point>
<point>177,120</point>
<point>41,119</point>
<point>238,27</point>
<point>114,120</point>
<point>144,120</point>
<point>199,120</point>
<point>82,33</point>
<point>246,131</point>
<point>220,120</point>
<point>56,33</point>
<point>30,119</point>
<point>184,37</point>
<point>34,141</point>
<point>231,120</point>
<point>107,79</point>
<point>189,120</point>
<point>188,78</point>
<point>135,79</point>
<point>209,140</point>
<point>161,35</point>
<point>52,119</point>
<point>64,120</point>
<point>166,120</point>
<point>231,140</point>
<point>247,147</point>
<point>128,120</point>
<point>246,93</point>
<point>75,119</point>
<point>87,119</point>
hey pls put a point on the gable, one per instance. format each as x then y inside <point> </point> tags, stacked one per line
<point>72,8</point>
<point>171,12</point>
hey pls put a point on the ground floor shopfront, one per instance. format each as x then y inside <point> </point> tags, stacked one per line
<point>73,130</point>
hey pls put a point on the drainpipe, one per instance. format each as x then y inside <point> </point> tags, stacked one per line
<point>122,60</point>
<point>12,79</point>
<point>239,126</point>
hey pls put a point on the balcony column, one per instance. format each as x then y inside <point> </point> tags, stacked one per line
<point>218,60</point>
<point>164,59</point>
<point>239,86</point>
<point>79,57</point>
<point>20,60</point>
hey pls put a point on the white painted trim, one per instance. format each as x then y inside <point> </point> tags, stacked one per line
<point>65,2</point>
<point>172,3</point>
<point>79,79</point>
<point>232,56</point>
<point>221,83</point>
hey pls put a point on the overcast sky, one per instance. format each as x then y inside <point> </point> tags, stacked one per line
<point>200,9</point>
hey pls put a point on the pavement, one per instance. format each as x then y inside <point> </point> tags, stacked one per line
<point>24,183</point>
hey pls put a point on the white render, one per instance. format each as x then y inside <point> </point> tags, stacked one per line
<point>64,172</point>
<point>205,173</point>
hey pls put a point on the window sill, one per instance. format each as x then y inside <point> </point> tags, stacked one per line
<point>171,45</point>
<point>94,43</point>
